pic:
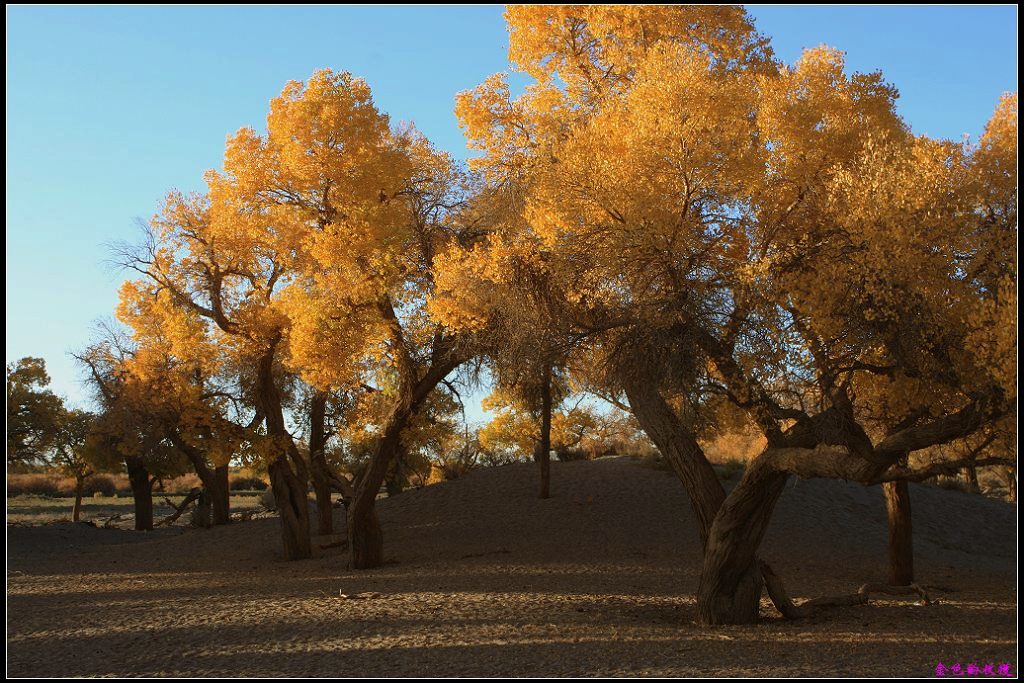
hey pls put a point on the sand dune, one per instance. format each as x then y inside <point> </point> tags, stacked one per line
<point>485,579</point>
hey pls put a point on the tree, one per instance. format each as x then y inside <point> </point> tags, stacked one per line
<point>71,453</point>
<point>713,223</point>
<point>126,429</point>
<point>311,255</point>
<point>33,412</point>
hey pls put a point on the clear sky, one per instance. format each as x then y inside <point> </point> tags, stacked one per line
<point>109,107</point>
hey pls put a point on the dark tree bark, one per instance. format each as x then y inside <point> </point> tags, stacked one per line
<point>287,471</point>
<point>901,539</point>
<point>366,540</point>
<point>396,476</point>
<point>215,481</point>
<point>318,464</point>
<point>142,492</point>
<point>731,580</point>
<point>220,492</point>
<point>678,444</point>
<point>544,453</point>
<point>970,476</point>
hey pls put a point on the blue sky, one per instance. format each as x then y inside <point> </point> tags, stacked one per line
<point>109,107</point>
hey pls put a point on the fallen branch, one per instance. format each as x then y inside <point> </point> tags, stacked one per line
<point>789,610</point>
<point>179,510</point>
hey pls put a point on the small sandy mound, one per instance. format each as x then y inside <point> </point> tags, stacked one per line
<point>484,579</point>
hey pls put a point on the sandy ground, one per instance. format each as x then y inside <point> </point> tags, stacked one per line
<point>484,579</point>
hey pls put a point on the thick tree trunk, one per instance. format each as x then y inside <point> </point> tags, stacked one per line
<point>318,464</point>
<point>142,493</point>
<point>287,471</point>
<point>220,493</point>
<point>545,435</point>
<point>76,512</point>
<point>215,481</point>
<point>901,539</point>
<point>731,580</point>
<point>393,482</point>
<point>365,538</point>
<point>678,444</point>
<point>290,498</point>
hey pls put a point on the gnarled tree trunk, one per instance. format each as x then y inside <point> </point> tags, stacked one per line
<point>288,484</point>
<point>678,444</point>
<point>365,537</point>
<point>215,481</point>
<point>318,464</point>
<point>901,539</point>
<point>731,580</point>
<point>142,492</point>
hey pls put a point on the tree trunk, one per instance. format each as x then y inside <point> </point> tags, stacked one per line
<point>545,435</point>
<point>290,499</point>
<point>1010,477</point>
<point>970,474</point>
<point>318,464</point>
<point>288,484</point>
<point>365,538</point>
<point>220,492</point>
<point>393,482</point>
<point>678,444</point>
<point>142,493</point>
<point>76,512</point>
<point>901,540</point>
<point>215,481</point>
<point>731,580</point>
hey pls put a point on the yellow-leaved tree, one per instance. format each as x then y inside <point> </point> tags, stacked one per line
<point>710,222</point>
<point>311,253</point>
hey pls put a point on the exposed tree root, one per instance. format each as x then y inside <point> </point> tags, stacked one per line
<point>789,610</point>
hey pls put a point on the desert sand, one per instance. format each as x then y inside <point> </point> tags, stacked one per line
<point>484,579</point>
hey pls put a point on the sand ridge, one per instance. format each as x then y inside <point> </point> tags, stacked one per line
<point>484,579</point>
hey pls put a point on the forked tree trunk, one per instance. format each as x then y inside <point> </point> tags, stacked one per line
<point>901,539</point>
<point>142,493</point>
<point>318,464</point>
<point>76,512</point>
<point>290,499</point>
<point>545,435</point>
<point>365,537</point>
<point>731,580</point>
<point>288,484</point>
<point>678,444</point>
<point>215,481</point>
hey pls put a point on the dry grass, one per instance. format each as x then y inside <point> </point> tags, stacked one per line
<point>43,484</point>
